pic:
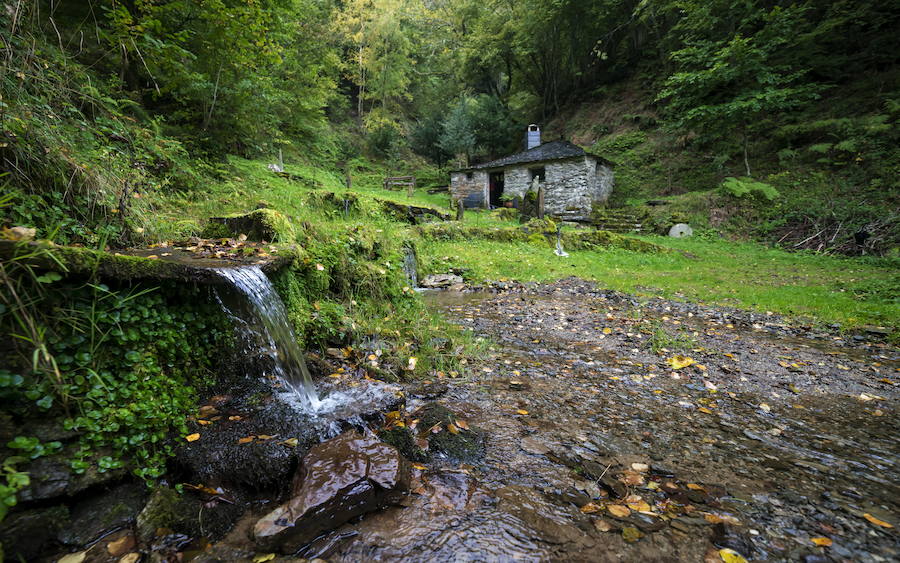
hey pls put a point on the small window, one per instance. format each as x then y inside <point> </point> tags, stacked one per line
<point>538,173</point>
<point>469,175</point>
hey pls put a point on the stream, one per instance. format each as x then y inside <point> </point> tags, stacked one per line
<point>780,447</point>
<point>596,427</point>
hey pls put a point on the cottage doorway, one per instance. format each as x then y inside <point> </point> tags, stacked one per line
<point>496,189</point>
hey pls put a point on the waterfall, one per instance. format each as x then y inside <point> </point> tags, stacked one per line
<point>265,320</point>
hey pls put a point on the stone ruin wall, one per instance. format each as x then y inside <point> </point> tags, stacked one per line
<point>572,186</point>
<point>470,190</point>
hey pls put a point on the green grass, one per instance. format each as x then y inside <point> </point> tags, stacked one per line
<point>818,288</point>
<point>248,182</point>
<point>743,275</point>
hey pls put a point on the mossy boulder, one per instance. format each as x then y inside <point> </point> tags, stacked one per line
<point>541,232</point>
<point>459,446</point>
<point>187,513</point>
<point>259,225</point>
<point>74,260</point>
<point>405,442</point>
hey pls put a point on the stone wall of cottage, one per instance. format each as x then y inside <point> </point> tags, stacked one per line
<point>572,187</point>
<point>516,181</point>
<point>471,190</point>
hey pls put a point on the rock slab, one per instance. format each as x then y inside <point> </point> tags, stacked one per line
<point>435,281</point>
<point>338,480</point>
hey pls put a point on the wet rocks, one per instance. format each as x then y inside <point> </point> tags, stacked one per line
<point>447,439</point>
<point>188,515</point>
<point>225,455</point>
<point>338,480</point>
<point>441,281</point>
<point>26,535</point>
<point>102,512</point>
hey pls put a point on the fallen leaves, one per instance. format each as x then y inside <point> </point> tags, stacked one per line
<point>262,558</point>
<point>631,535</point>
<point>120,546</point>
<point>521,411</point>
<point>731,556</point>
<point>876,521</point>
<point>192,437</point>
<point>591,508</point>
<point>619,510</point>
<point>679,362</point>
<point>821,542</point>
<point>632,478</point>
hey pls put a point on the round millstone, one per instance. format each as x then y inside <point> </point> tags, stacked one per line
<point>681,230</point>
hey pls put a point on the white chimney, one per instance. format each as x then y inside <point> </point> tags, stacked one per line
<point>532,136</point>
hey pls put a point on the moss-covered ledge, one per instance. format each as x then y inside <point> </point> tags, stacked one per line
<point>541,232</point>
<point>46,255</point>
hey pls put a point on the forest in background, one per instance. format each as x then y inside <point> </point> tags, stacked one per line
<point>106,101</point>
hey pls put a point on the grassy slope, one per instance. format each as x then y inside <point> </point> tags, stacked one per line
<point>849,291</point>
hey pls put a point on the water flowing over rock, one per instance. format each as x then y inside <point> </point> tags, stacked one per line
<point>338,480</point>
<point>265,321</point>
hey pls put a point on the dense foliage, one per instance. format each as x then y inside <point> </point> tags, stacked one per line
<point>121,365</point>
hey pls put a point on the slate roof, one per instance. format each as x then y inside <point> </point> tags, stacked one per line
<point>554,150</point>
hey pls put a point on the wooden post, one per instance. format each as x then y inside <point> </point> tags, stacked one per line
<point>460,209</point>
<point>411,188</point>
<point>540,203</point>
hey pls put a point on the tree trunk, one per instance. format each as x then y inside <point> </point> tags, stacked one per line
<point>746,156</point>
<point>212,105</point>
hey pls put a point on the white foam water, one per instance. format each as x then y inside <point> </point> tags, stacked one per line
<point>273,332</point>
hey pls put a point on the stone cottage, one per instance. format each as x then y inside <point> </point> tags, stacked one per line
<point>573,180</point>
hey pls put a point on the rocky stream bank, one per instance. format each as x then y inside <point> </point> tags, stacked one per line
<point>598,427</point>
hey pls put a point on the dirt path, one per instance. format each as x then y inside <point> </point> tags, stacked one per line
<point>773,445</point>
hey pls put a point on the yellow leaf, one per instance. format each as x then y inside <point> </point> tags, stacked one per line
<point>192,437</point>
<point>462,424</point>
<point>618,510</point>
<point>607,330</point>
<point>823,542</point>
<point>591,508</point>
<point>694,487</point>
<point>264,558</point>
<point>291,442</point>
<point>876,521</point>
<point>678,361</point>
<point>203,422</point>
<point>246,439</point>
<point>705,410</point>
<point>731,556</point>
<point>640,506</point>
<point>521,411</point>
<point>265,437</point>
<point>420,467</point>
<point>235,417</point>
<point>452,428</point>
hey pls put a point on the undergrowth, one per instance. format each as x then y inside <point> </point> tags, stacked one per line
<point>118,364</point>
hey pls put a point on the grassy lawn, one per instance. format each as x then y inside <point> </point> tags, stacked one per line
<point>849,291</point>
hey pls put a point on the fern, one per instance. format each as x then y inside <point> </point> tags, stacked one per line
<point>748,187</point>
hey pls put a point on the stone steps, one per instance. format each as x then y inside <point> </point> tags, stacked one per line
<point>618,221</point>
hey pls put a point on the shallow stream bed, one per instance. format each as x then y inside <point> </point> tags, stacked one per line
<point>771,444</point>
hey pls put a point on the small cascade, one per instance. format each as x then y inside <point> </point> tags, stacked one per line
<point>265,321</point>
